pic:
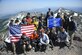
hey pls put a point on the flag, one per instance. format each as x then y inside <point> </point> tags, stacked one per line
<point>54,22</point>
<point>16,31</point>
<point>50,22</point>
<point>27,29</point>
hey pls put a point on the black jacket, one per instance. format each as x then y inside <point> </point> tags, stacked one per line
<point>71,26</point>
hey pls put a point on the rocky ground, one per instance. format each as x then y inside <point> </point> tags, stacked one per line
<point>75,50</point>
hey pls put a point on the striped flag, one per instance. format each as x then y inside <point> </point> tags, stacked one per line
<point>27,29</point>
<point>16,31</point>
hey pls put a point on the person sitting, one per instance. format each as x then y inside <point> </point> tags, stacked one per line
<point>44,40</point>
<point>63,37</point>
<point>25,42</point>
<point>52,36</point>
<point>34,38</point>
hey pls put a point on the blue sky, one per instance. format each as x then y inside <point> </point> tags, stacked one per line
<point>12,6</point>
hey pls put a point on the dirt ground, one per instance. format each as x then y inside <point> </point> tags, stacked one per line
<point>75,50</point>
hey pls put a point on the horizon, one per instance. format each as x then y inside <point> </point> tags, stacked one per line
<point>43,10</point>
<point>14,6</point>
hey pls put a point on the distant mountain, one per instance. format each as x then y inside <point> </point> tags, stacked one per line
<point>43,10</point>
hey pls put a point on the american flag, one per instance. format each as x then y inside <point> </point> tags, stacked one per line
<point>16,31</point>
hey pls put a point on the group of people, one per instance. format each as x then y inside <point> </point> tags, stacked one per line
<point>43,35</point>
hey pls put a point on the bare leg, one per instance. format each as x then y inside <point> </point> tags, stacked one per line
<point>24,47</point>
<point>14,48</point>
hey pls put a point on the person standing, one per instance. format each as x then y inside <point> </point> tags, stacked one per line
<point>49,14</point>
<point>71,30</point>
<point>28,19</point>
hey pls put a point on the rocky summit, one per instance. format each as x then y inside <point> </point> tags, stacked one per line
<point>75,50</point>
